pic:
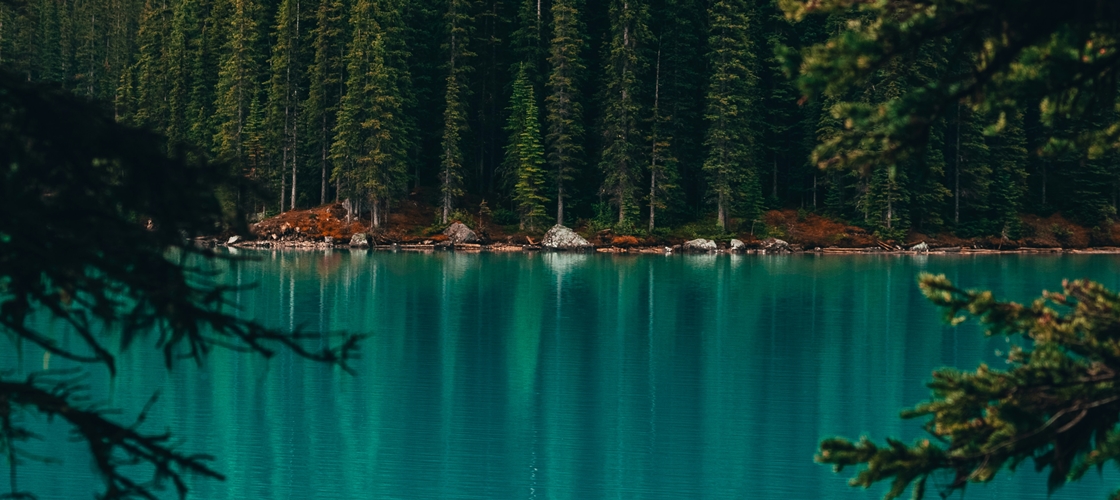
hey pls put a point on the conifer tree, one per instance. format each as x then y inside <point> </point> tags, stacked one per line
<point>369,156</point>
<point>887,196</point>
<point>424,37</point>
<point>238,101</point>
<point>662,164</point>
<point>182,49</point>
<point>972,173</point>
<point>680,29</point>
<point>203,62</point>
<point>928,180</point>
<point>459,21</point>
<point>623,142</point>
<point>124,102</point>
<point>524,162</point>
<point>565,111</point>
<point>391,15</point>
<point>730,165</point>
<point>489,83</point>
<point>285,94</point>
<point>325,75</point>
<point>1009,157</point>
<point>88,73</point>
<point>780,152</point>
<point>528,40</point>
<point>151,83</point>
<point>47,59</point>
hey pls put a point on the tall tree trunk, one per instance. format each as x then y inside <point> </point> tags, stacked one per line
<point>774,191</point>
<point>324,148</point>
<point>653,149</point>
<point>957,174</point>
<point>293,97</point>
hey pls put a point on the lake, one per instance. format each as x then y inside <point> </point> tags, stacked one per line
<point>567,376</point>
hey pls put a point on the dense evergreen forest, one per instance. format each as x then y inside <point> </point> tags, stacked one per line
<point>637,114</point>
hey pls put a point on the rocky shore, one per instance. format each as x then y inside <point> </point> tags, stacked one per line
<point>563,239</point>
<point>330,226</point>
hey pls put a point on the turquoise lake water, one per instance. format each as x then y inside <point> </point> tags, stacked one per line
<point>567,376</point>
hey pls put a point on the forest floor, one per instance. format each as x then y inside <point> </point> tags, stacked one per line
<point>415,224</point>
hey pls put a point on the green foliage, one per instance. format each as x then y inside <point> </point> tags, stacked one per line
<point>506,217</point>
<point>325,79</point>
<point>622,141</point>
<point>150,72</point>
<point>285,95</point>
<point>1056,404</point>
<point>237,108</point>
<point>459,21</point>
<point>525,164</point>
<point>663,165</point>
<point>1038,54</point>
<point>731,103</point>
<point>691,114</point>
<point>563,106</point>
<point>371,146</point>
<point>706,228</point>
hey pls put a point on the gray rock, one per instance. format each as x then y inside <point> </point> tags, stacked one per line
<point>920,247</point>
<point>359,240</point>
<point>458,233</point>
<point>775,245</point>
<point>562,238</point>
<point>328,240</point>
<point>700,245</point>
<point>233,239</point>
<point>738,246</point>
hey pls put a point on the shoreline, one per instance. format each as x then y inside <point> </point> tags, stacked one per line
<point>638,250</point>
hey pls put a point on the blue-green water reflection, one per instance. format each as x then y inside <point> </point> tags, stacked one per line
<point>567,376</point>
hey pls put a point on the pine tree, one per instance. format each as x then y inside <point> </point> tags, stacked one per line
<point>662,165</point>
<point>369,155</point>
<point>203,65</point>
<point>527,41</point>
<point>524,162</point>
<point>47,59</point>
<point>15,41</point>
<point>151,69</point>
<point>779,152</point>
<point>886,200</point>
<point>424,36</point>
<point>972,173</point>
<point>325,84</point>
<point>623,142</point>
<point>459,21</point>
<point>88,71</point>
<point>1008,150</point>
<point>285,94</point>
<point>1052,401</point>
<point>928,180</point>
<point>182,49</point>
<point>391,15</point>
<point>238,101</point>
<point>680,28</point>
<point>730,165</point>
<point>565,111</point>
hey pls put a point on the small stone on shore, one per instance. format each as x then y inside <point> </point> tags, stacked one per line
<point>359,240</point>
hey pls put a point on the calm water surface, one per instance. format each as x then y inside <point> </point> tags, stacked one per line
<point>567,376</point>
